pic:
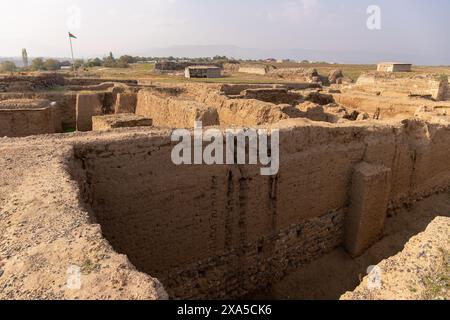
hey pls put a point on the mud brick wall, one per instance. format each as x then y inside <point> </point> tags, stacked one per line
<point>431,262</point>
<point>369,197</point>
<point>261,70</point>
<point>125,103</point>
<point>173,112</point>
<point>97,81</point>
<point>66,102</point>
<point>88,106</point>
<point>435,86</point>
<point>30,83</point>
<point>22,123</point>
<point>119,121</point>
<point>236,89</point>
<point>277,96</point>
<point>223,231</point>
<point>207,106</point>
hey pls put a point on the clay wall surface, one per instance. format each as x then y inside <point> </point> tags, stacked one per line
<point>261,70</point>
<point>88,106</point>
<point>231,67</point>
<point>30,83</point>
<point>390,107</point>
<point>22,122</point>
<point>122,120</point>
<point>298,74</point>
<point>66,102</point>
<point>277,96</point>
<point>222,231</point>
<point>97,81</point>
<point>419,272</point>
<point>125,103</point>
<point>203,72</point>
<point>236,89</point>
<point>239,112</point>
<point>394,67</point>
<point>435,86</point>
<point>174,112</point>
<point>45,232</point>
<point>96,87</point>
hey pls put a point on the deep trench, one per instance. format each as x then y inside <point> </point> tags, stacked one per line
<point>200,231</point>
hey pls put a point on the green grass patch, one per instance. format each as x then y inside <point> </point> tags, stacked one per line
<point>437,286</point>
<point>88,266</point>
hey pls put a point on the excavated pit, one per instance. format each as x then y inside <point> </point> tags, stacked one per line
<point>209,232</point>
<point>226,232</point>
<point>217,232</point>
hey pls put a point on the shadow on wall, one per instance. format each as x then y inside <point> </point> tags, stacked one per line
<point>336,273</point>
<point>228,240</point>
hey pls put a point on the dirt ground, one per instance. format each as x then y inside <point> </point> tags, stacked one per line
<point>336,273</point>
<point>146,72</point>
<point>44,228</point>
<point>44,231</point>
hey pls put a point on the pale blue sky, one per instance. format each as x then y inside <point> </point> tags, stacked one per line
<point>413,30</point>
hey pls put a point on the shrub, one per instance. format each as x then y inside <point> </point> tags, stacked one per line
<point>52,64</point>
<point>7,66</point>
<point>37,64</point>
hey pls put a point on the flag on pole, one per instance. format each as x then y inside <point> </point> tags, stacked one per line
<point>71,51</point>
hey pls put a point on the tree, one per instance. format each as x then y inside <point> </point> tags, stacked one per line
<point>121,64</point>
<point>37,64</point>
<point>127,59</point>
<point>25,58</point>
<point>109,61</point>
<point>7,66</point>
<point>79,63</point>
<point>94,63</point>
<point>52,64</point>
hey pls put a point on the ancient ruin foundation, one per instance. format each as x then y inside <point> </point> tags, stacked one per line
<point>222,232</point>
<point>137,223</point>
<point>25,117</point>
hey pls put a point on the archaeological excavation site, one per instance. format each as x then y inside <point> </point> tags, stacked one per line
<point>89,191</point>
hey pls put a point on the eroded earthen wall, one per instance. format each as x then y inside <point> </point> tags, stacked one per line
<point>22,123</point>
<point>222,231</point>
<point>172,112</point>
<point>423,85</point>
<point>66,103</point>
<point>206,106</point>
<point>88,106</point>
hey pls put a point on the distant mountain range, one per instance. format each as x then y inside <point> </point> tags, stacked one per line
<point>349,57</point>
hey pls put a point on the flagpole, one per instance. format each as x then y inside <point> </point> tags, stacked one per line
<point>71,50</point>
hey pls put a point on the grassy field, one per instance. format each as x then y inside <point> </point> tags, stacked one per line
<point>146,72</point>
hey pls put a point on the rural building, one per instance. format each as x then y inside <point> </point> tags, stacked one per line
<point>170,65</point>
<point>203,72</point>
<point>394,67</point>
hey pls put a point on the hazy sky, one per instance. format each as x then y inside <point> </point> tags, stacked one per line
<point>408,27</point>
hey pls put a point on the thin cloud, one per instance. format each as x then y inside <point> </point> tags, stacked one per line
<point>293,10</point>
